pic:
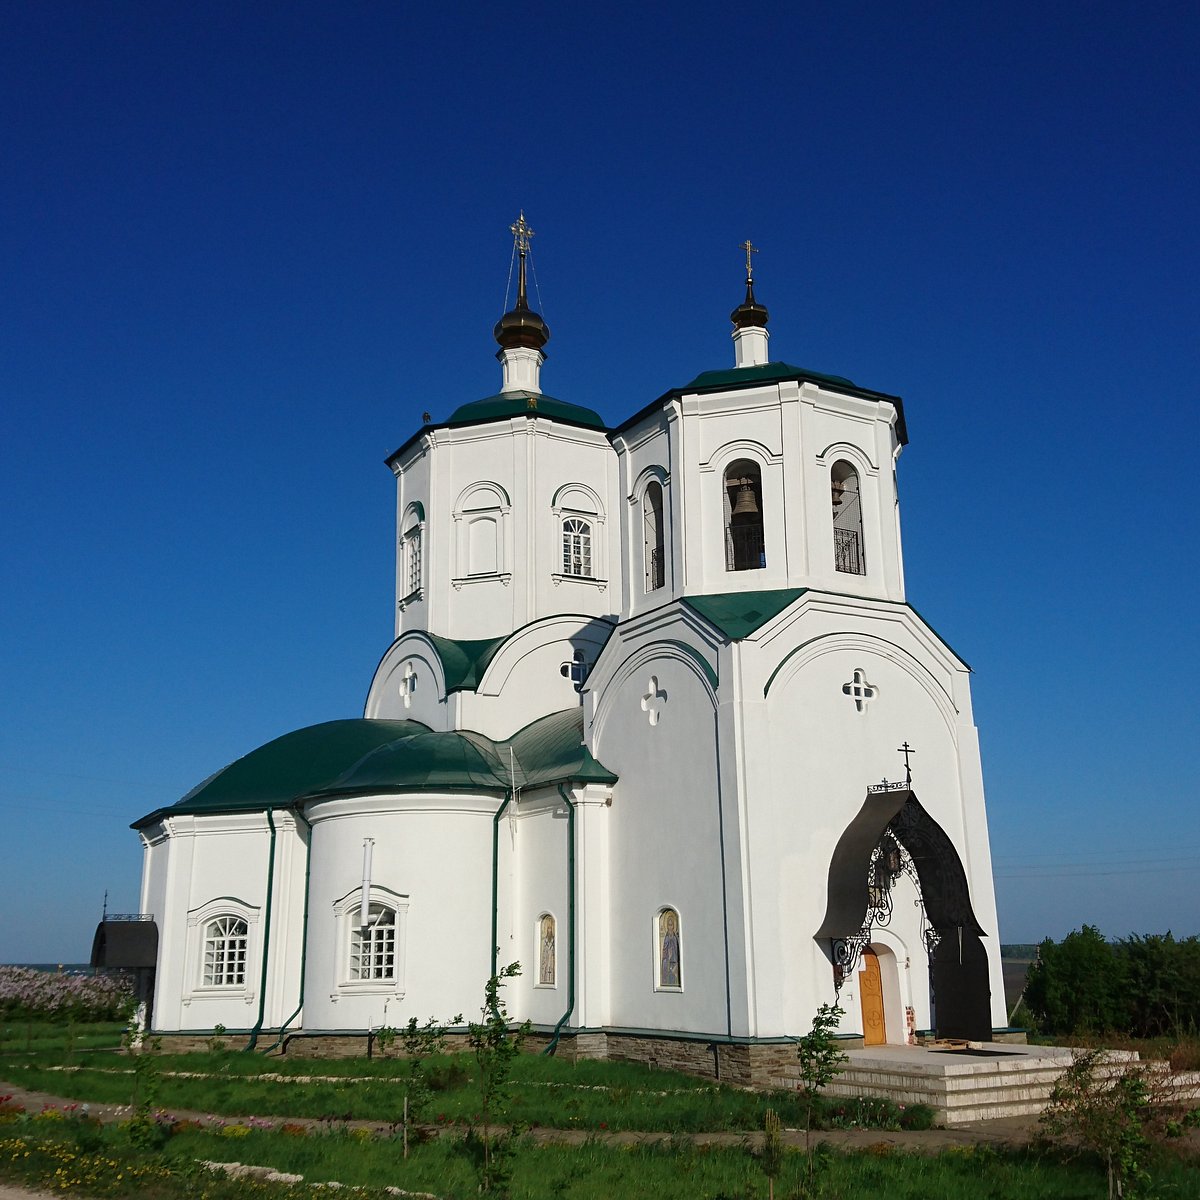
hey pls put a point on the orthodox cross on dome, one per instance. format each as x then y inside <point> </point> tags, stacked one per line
<point>521,234</point>
<point>749,249</point>
<point>859,690</point>
<point>906,750</point>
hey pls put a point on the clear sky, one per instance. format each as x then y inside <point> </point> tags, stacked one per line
<point>243,246</point>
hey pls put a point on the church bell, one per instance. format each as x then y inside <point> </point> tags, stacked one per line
<point>745,508</point>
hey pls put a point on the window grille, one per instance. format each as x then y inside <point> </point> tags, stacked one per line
<point>848,554</point>
<point>225,941</point>
<point>373,947</point>
<point>577,548</point>
<point>412,562</point>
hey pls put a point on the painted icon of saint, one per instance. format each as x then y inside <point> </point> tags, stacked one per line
<point>668,959</point>
<point>546,952</point>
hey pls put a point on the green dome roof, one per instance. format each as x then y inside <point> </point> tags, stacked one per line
<point>366,755</point>
<point>524,404</point>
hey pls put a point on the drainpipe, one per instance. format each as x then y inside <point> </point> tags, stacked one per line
<point>496,877</point>
<point>262,987</point>
<point>562,791</point>
<point>303,932</point>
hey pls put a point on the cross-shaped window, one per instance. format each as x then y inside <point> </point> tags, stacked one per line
<point>859,690</point>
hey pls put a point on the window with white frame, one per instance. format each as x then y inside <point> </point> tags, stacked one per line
<point>411,551</point>
<point>370,958</point>
<point>577,547</point>
<point>373,946</point>
<point>225,942</point>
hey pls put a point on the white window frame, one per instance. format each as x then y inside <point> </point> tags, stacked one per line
<point>577,537</point>
<point>199,922</point>
<point>575,502</point>
<point>482,501</point>
<point>226,943</point>
<point>346,913</point>
<point>412,556</point>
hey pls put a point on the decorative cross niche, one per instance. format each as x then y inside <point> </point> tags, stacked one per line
<point>859,690</point>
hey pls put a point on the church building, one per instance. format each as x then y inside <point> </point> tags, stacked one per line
<point>658,723</point>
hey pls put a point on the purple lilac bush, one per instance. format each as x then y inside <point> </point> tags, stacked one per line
<point>25,992</point>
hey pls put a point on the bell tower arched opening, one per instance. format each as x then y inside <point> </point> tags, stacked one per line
<point>745,542</point>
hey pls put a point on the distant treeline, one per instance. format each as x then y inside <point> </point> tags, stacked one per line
<point>1144,987</point>
<point>1021,951</point>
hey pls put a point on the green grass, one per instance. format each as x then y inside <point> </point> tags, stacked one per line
<point>669,1170</point>
<point>545,1092</point>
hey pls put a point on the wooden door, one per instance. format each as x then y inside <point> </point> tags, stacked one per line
<point>870,991</point>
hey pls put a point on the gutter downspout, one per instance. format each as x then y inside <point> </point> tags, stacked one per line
<point>508,795</point>
<point>562,791</point>
<point>303,931</point>
<point>262,987</point>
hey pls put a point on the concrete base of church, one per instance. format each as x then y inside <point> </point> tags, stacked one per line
<point>996,1080</point>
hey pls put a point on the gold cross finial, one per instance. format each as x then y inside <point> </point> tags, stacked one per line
<point>749,249</point>
<point>521,234</point>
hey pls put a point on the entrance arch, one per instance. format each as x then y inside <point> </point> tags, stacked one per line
<point>958,966</point>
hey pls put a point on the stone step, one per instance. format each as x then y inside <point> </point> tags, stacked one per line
<point>959,1088</point>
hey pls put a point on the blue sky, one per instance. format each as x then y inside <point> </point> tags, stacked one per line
<point>243,246</point>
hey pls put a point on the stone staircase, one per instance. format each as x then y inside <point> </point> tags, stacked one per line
<point>961,1085</point>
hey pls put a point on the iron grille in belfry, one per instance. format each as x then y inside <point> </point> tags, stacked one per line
<point>847,552</point>
<point>654,570</point>
<point>749,550</point>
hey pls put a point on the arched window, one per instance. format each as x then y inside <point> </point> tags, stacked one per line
<point>225,940</point>
<point>373,946</point>
<point>577,547</point>
<point>669,960</point>
<point>745,544</point>
<point>482,534</point>
<point>410,547</point>
<point>848,552</point>
<point>652,536</point>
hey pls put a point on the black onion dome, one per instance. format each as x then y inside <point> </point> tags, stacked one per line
<point>521,327</point>
<point>749,312</point>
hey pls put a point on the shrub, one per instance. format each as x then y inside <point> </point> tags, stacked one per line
<point>28,994</point>
<point>1142,987</point>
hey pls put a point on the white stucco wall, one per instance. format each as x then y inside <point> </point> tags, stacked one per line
<point>665,835</point>
<point>435,852</point>
<point>208,866</point>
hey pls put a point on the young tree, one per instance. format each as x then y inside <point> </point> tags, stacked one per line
<point>419,1041</point>
<point>821,1058</point>
<point>496,1045</point>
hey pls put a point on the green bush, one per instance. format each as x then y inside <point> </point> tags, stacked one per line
<point>1141,987</point>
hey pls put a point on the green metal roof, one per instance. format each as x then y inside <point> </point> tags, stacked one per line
<point>772,372</point>
<point>290,766</point>
<point>464,662</point>
<point>549,750</point>
<point>521,403</point>
<point>739,614</point>
<point>365,756</point>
